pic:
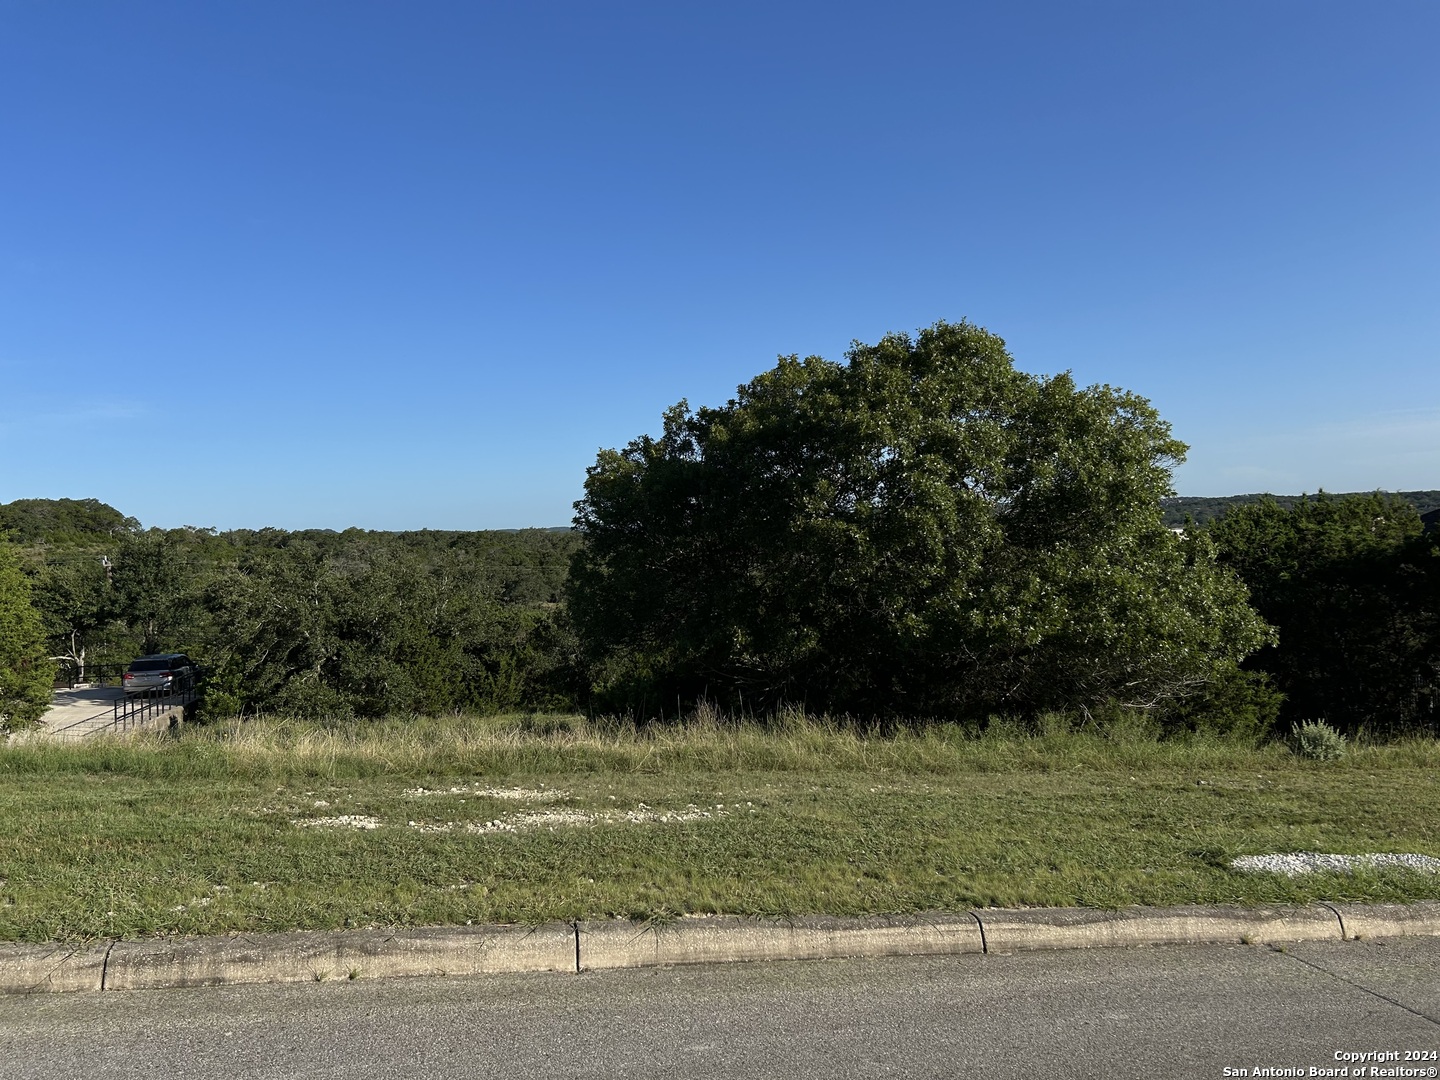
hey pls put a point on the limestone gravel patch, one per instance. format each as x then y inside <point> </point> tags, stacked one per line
<point>533,819</point>
<point>343,821</point>
<point>1312,862</point>
<point>515,794</point>
<point>644,815</point>
<point>528,820</point>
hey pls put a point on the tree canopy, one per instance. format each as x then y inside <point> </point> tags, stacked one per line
<point>925,530</point>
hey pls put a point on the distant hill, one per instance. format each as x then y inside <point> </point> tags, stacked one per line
<point>88,521</point>
<point>62,521</point>
<point>1202,510</point>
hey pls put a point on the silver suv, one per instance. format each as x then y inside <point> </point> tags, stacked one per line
<point>159,673</point>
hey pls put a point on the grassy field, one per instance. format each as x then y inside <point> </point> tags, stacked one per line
<point>272,825</point>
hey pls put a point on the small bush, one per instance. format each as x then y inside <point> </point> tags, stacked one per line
<point>1318,741</point>
<point>219,705</point>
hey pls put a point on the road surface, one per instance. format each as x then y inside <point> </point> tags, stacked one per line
<point>1113,1013</point>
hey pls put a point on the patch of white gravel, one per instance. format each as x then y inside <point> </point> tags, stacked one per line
<point>514,794</point>
<point>432,826</point>
<point>344,821</point>
<point>1310,862</point>
<point>533,819</point>
<point>644,815</point>
<point>525,820</point>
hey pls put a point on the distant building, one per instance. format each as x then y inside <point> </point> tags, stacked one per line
<point>1431,521</point>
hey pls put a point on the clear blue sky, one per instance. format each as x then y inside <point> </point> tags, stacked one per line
<point>405,265</point>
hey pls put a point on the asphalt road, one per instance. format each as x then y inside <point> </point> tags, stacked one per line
<point>1105,1013</point>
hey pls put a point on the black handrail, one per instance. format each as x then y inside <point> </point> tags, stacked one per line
<point>68,675</point>
<point>135,710</point>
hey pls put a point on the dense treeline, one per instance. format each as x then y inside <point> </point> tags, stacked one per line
<point>315,622</point>
<point>62,521</point>
<point>1203,510</point>
<point>369,624</point>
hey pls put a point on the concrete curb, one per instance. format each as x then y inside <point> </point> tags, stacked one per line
<point>30,969</point>
<point>725,938</point>
<point>317,956</point>
<point>1079,928</point>
<point>1359,921</point>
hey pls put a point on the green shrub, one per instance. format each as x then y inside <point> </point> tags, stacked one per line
<point>219,705</point>
<point>1318,741</point>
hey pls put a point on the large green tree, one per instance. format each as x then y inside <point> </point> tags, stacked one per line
<point>26,674</point>
<point>925,530</point>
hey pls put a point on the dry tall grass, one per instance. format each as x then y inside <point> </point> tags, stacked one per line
<point>709,741</point>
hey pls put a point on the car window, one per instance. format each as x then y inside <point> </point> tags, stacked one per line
<point>150,665</point>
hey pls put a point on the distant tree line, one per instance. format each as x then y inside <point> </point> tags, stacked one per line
<point>62,521</point>
<point>921,533</point>
<point>1202,510</point>
<point>310,623</point>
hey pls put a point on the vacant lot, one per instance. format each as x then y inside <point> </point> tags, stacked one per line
<point>273,825</point>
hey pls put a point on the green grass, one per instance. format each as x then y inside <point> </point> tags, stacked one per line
<point>198,834</point>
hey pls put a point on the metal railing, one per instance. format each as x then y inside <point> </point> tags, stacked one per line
<point>138,710</point>
<point>68,677</point>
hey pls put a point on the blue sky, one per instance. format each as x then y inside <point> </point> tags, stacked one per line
<point>408,265</point>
